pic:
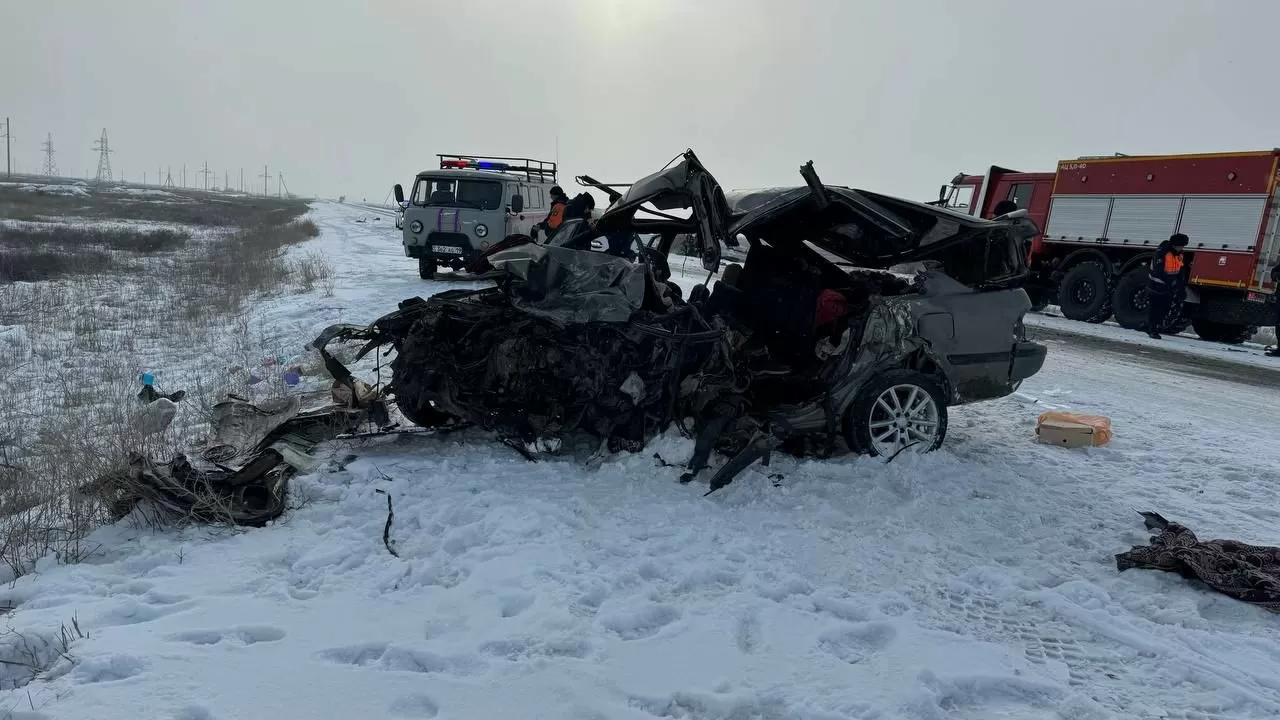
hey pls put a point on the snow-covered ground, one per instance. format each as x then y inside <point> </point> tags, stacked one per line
<point>974,582</point>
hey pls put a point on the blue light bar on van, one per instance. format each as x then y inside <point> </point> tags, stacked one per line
<point>475,164</point>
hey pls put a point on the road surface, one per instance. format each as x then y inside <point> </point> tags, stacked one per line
<point>1164,360</point>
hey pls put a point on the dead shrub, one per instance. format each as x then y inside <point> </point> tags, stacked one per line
<point>312,269</point>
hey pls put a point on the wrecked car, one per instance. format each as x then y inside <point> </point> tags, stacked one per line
<point>853,324</point>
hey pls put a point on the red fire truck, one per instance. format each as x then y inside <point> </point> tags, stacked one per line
<point>1101,219</point>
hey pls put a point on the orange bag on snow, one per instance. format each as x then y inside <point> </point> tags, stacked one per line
<point>1073,429</point>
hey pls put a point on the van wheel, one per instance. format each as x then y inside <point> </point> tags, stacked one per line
<point>426,268</point>
<point>1085,293</point>
<point>898,410</point>
<point>1129,300</point>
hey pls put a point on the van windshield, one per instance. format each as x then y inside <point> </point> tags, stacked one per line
<point>452,192</point>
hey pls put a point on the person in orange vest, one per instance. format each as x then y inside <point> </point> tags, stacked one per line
<point>1165,282</point>
<point>555,217</point>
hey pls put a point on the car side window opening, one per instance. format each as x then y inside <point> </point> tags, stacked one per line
<point>984,258</point>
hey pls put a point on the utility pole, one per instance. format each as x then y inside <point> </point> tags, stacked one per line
<point>49,168</point>
<point>205,172</point>
<point>226,184</point>
<point>104,158</point>
<point>168,179</point>
<point>8,159</point>
<point>241,179</point>
<point>266,177</point>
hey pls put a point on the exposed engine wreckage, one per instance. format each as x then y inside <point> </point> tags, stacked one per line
<point>788,352</point>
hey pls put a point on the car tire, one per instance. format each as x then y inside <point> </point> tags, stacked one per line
<point>426,268</point>
<point>1226,333</point>
<point>875,404</point>
<point>1129,300</point>
<point>1085,293</point>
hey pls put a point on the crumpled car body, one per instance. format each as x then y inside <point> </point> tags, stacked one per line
<point>854,322</point>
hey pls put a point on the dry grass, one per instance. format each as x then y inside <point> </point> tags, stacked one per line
<point>73,238</point>
<point>34,265</point>
<point>26,657</point>
<point>71,351</point>
<point>186,207</point>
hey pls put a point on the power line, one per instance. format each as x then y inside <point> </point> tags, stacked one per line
<point>104,158</point>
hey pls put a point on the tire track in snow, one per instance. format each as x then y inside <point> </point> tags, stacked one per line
<point>1126,671</point>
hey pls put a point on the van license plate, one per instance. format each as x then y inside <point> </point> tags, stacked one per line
<point>447,249</point>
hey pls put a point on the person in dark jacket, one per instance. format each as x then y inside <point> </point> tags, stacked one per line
<point>580,207</point>
<point>1165,282</point>
<point>1004,207</point>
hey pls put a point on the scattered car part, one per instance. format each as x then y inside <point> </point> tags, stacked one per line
<point>1249,573</point>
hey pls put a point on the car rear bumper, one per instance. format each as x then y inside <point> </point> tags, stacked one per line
<point>1028,359</point>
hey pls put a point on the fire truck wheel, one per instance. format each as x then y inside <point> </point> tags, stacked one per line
<point>426,268</point>
<point>1085,293</point>
<point>1129,300</point>
<point>1223,332</point>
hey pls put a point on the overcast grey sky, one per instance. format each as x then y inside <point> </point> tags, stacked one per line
<point>350,96</point>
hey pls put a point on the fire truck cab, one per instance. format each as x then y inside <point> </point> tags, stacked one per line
<point>454,213</point>
<point>1101,219</point>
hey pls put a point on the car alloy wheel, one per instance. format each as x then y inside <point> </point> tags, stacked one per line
<point>903,416</point>
<point>896,410</point>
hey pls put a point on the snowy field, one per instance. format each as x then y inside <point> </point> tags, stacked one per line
<point>974,583</point>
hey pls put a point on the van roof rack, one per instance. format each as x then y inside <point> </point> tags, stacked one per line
<point>541,170</point>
